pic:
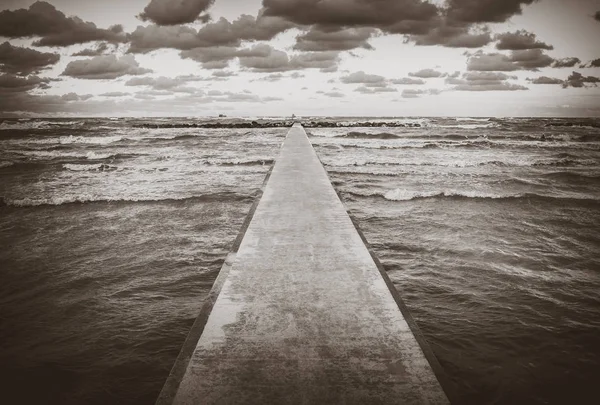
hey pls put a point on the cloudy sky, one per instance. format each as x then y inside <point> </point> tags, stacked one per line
<point>307,57</point>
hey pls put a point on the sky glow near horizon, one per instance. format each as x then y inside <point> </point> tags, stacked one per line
<point>307,57</point>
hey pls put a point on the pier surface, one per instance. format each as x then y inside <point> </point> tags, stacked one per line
<point>303,314</point>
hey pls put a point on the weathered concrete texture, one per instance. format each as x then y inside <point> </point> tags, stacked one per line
<point>304,316</point>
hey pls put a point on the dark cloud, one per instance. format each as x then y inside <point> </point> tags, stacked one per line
<point>378,84</point>
<point>76,97</point>
<point>366,89</point>
<point>273,77</point>
<point>223,74</point>
<point>99,50</point>
<point>55,29</point>
<point>457,36</point>
<point>427,74</point>
<point>245,28</point>
<point>181,103</point>
<point>212,58</point>
<point>486,62</point>
<point>104,67</point>
<point>531,59</point>
<point>323,39</point>
<point>490,87</point>
<point>520,40</point>
<point>545,80</point>
<point>597,16</point>
<point>455,23</point>
<point>173,12</point>
<point>578,80</point>
<point>461,23</point>
<point>416,93</point>
<point>593,63</point>
<point>220,33</point>
<point>408,80</point>
<point>412,93</point>
<point>24,61</point>
<point>484,81</point>
<point>565,62</point>
<point>10,83</point>
<point>528,59</point>
<point>264,58</point>
<point>392,16</point>
<point>152,37</point>
<point>25,102</point>
<point>334,94</point>
<point>484,11</point>
<point>363,78</point>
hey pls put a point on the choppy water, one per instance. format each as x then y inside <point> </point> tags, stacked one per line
<point>112,236</point>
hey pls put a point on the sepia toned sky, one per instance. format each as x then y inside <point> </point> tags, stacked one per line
<point>303,57</point>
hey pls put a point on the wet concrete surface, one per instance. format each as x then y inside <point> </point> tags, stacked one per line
<point>304,316</point>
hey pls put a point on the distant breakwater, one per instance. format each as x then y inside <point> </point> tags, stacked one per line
<point>277,124</point>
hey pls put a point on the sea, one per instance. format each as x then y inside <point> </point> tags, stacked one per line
<point>111,236</point>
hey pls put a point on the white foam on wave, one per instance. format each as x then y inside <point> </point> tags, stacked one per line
<point>82,168</point>
<point>51,154</point>
<point>470,126</point>
<point>462,119</point>
<point>54,154</point>
<point>94,155</point>
<point>83,198</point>
<point>408,195</point>
<point>97,140</point>
<point>4,164</point>
<point>237,161</point>
<point>31,124</point>
<point>97,198</point>
<point>400,194</point>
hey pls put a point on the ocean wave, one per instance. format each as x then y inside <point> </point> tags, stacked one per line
<point>543,139</point>
<point>364,135</point>
<point>408,195</point>
<point>88,199</point>
<point>62,153</point>
<point>459,164</point>
<point>35,124</point>
<point>89,168</point>
<point>240,162</point>
<point>463,119</point>
<point>567,176</point>
<point>4,164</point>
<point>155,139</point>
<point>566,162</point>
<point>98,156</point>
<point>52,154</point>
<point>399,122</point>
<point>96,140</point>
<point>511,162</point>
<point>470,126</point>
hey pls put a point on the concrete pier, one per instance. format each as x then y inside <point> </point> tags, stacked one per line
<point>301,313</point>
